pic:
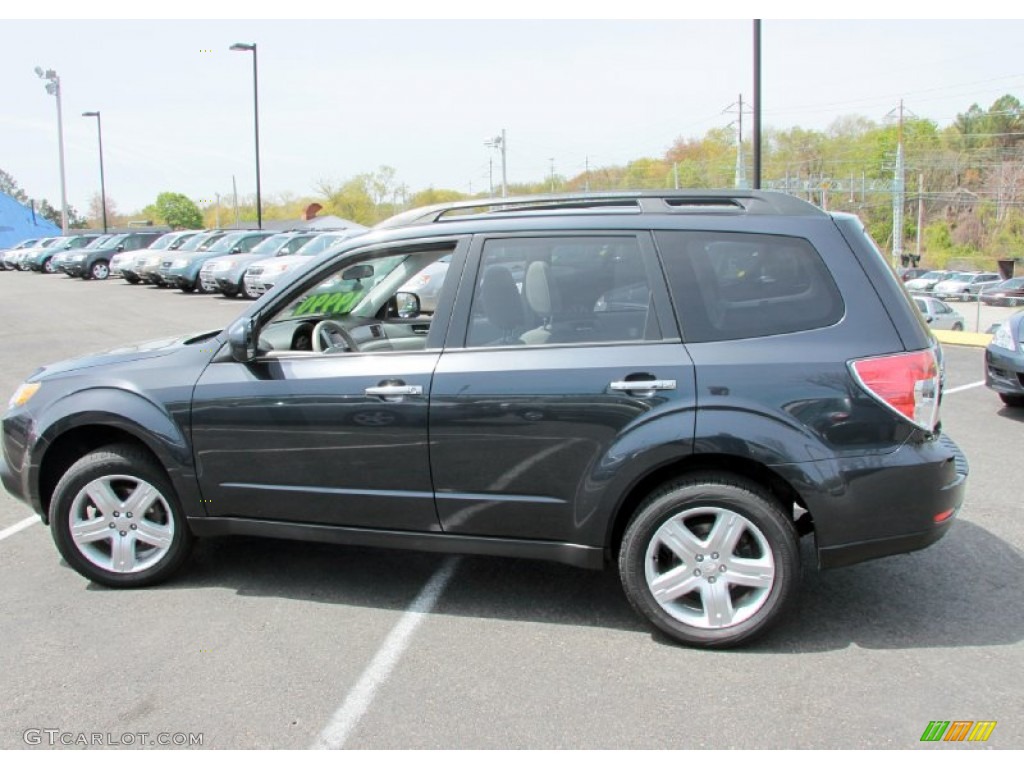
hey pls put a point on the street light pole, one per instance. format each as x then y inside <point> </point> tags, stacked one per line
<point>256,113</point>
<point>53,88</point>
<point>103,186</point>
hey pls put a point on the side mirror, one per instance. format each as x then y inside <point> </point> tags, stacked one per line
<point>408,305</point>
<point>242,340</point>
<point>120,248</point>
<point>929,319</point>
<point>236,249</point>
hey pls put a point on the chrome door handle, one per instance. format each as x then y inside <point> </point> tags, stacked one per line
<point>394,390</point>
<point>641,385</point>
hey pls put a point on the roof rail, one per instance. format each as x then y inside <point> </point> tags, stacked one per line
<point>748,201</point>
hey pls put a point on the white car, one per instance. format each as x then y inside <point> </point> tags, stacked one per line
<point>939,315</point>
<point>261,275</point>
<point>926,282</point>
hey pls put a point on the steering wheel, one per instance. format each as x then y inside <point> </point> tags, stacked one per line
<point>326,334</point>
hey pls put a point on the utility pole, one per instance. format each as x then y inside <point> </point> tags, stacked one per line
<point>740,181</point>
<point>898,196</point>
<point>920,210</point>
<point>234,194</point>
<point>586,174</point>
<point>552,174</point>
<point>216,216</point>
<point>675,173</point>
<point>500,142</point>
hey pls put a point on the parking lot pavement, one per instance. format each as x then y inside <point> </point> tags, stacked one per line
<point>261,643</point>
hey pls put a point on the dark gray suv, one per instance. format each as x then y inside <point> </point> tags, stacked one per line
<point>677,384</point>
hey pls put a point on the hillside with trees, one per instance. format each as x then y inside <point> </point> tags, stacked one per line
<point>965,180</point>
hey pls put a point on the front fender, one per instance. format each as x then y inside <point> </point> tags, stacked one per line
<point>128,411</point>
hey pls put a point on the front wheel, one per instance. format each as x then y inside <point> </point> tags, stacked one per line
<point>1014,401</point>
<point>99,271</point>
<point>116,520</point>
<point>711,561</point>
<point>958,326</point>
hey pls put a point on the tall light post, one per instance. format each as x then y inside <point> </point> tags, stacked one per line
<point>53,88</point>
<point>256,112</point>
<point>103,186</point>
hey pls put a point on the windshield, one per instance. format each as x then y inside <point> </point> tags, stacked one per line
<point>107,241</point>
<point>224,243</point>
<point>207,240</point>
<point>163,241</point>
<point>931,275</point>
<point>270,245</point>
<point>320,243</point>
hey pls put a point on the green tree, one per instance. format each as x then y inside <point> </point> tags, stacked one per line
<point>48,212</point>
<point>175,210</point>
<point>10,187</point>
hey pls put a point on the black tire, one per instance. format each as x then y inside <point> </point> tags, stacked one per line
<point>131,279</point>
<point>153,536</point>
<point>230,292</point>
<point>1014,401</point>
<point>100,270</point>
<point>246,292</point>
<point>957,327</point>
<point>186,288</point>
<point>764,551</point>
<point>48,268</point>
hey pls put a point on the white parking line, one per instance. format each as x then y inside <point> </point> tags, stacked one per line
<point>18,527</point>
<point>336,732</point>
<point>954,390</point>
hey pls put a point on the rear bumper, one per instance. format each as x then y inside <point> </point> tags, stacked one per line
<point>869,507</point>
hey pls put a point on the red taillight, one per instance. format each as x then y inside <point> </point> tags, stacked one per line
<point>907,382</point>
<point>943,516</point>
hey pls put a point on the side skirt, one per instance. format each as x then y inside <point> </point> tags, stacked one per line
<point>578,555</point>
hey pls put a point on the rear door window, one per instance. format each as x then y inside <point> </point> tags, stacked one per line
<point>728,285</point>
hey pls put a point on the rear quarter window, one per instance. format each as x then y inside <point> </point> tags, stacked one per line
<point>727,285</point>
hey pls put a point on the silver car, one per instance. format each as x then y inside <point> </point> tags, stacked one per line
<point>939,315</point>
<point>965,286</point>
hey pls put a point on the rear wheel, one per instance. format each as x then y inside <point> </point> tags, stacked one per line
<point>711,561</point>
<point>958,326</point>
<point>116,520</point>
<point>49,267</point>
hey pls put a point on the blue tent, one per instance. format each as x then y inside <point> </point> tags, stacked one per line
<point>19,222</point>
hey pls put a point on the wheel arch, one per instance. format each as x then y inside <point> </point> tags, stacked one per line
<point>82,423</point>
<point>737,466</point>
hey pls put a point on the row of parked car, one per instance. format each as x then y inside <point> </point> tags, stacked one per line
<point>232,262</point>
<point>950,285</point>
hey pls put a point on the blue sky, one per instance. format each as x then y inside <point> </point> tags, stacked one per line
<point>339,97</point>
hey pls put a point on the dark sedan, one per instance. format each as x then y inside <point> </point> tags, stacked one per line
<point>1009,293</point>
<point>1004,361</point>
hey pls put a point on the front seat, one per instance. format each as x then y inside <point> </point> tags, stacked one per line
<point>502,308</point>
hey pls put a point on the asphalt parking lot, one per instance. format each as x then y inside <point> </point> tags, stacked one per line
<point>283,644</point>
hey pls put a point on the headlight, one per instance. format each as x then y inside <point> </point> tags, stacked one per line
<point>1003,338</point>
<point>23,394</point>
<point>275,269</point>
<point>179,263</point>
<point>222,265</point>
